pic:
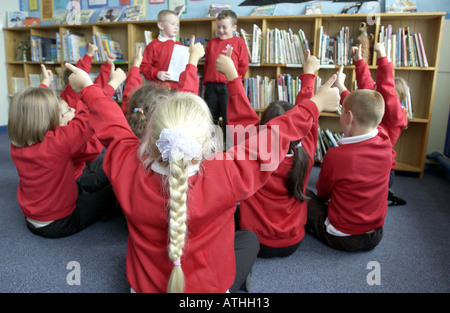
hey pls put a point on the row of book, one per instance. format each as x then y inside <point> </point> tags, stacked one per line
<point>106,44</point>
<point>326,140</point>
<point>43,49</point>
<point>403,48</point>
<point>276,46</point>
<point>335,50</point>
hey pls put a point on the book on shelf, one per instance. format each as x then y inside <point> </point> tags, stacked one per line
<point>113,46</point>
<point>285,47</point>
<point>32,21</point>
<point>16,18</point>
<point>326,140</point>
<point>110,14</point>
<point>43,49</point>
<point>315,7</point>
<point>35,80</point>
<point>260,90</point>
<point>99,40</point>
<point>81,17</point>
<point>215,8</point>
<point>131,13</point>
<point>76,46</point>
<point>335,50</point>
<point>264,10</point>
<point>17,84</point>
<point>400,6</point>
<point>403,48</point>
<point>148,36</point>
<point>59,17</point>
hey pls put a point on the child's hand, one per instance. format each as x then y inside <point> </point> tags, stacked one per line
<point>340,80</point>
<point>380,49</point>
<point>163,75</point>
<point>327,97</point>
<point>47,76</point>
<point>196,51</point>
<point>356,53</point>
<point>110,57</point>
<point>118,76</point>
<point>225,65</point>
<point>91,49</point>
<point>311,64</point>
<point>137,58</point>
<point>79,79</point>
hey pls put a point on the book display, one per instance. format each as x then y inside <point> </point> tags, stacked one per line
<point>277,46</point>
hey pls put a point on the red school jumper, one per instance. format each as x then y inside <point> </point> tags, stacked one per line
<point>156,58</point>
<point>276,218</point>
<point>214,48</point>
<point>355,176</point>
<point>47,184</point>
<point>208,259</point>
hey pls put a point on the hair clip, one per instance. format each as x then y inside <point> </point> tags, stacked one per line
<point>138,110</point>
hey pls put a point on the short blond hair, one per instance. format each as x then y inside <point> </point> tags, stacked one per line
<point>164,13</point>
<point>32,113</point>
<point>366,105</point>
<point>227,14</point>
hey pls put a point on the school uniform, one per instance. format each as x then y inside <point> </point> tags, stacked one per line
<point>216,93</point>
<point>157,57</point>
<point>208,259</point>
<point>276,218</point>
<point>354,177</point>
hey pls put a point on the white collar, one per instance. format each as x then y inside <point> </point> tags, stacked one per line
<point>355,139</point>
<point>164,170</point>
<point>161,38</point>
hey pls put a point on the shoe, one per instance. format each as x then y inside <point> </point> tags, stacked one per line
<point>393,199</point>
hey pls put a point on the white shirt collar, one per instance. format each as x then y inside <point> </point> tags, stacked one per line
<point>355,139</point>
<point>164,170</point>
<point>161,38</point>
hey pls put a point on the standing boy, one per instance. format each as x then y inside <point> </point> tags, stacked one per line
<point>216,93</point>
<point>157,54</point>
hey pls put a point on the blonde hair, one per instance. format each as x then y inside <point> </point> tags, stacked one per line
<point>189,113</point>
<point>32,113</point>
<point>366,105</point>
<point>142,103</point>
<point>401,87</point>
<point>164,13</point>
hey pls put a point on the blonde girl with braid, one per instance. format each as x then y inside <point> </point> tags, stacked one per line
<point>179,191</point>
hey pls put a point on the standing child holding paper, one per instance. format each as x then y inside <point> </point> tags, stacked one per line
<point>216,93</point>
<point>158,53</point>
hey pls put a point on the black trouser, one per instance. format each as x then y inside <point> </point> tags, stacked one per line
<point>281,252</point>
<point>216,96</point>
<point>89,209</point>
<point>246,247</point>
<point>93,177</point>
<point>315,225</point>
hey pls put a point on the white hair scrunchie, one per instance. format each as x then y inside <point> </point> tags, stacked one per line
<point>175,144</point>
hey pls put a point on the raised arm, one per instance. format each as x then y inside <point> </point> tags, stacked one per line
<point>363,77</point>
<point>310,66</point>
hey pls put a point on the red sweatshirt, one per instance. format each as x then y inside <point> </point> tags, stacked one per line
<point>276,218</point>
<point>394,119</point>
<point>47,186</point>
<point>208,259</point>
<point>217,46</point>
<point>355,176</point>
<point>156,58</point>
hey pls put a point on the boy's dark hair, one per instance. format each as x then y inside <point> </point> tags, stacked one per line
<point>227,14</point>
<point>299,168</point>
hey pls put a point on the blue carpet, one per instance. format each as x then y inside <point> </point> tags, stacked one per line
<point>412,257</point>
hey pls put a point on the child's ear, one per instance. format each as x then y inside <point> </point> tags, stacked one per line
<point>234,28</point>
<point>160,25</point>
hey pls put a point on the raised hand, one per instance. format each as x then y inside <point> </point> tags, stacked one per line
<point>311,64</point>
<point>356,53</point>
<point>196,51</point>
<point>225,65</point>
<point>340,80</point>
<point>137,58</point>
<point>79,79</point>
<point>47,76</point>
<point>327,97</point>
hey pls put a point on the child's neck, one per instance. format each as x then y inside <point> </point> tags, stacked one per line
<point>358,131</point>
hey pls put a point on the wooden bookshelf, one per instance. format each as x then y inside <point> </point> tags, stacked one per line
<point>412,144</point>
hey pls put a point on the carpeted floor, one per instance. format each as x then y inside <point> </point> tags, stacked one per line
<point>412,257</point>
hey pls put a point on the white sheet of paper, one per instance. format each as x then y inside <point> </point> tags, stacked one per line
<point>178,61</point>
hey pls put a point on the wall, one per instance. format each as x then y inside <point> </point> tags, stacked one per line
<point>197,9</point>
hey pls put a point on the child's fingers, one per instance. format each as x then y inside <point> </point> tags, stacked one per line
<point>330,81</point>
<point>230,52</point>
<point>341,70</point>
<point>192,40</point>
<point>139,51</point>
<point>308,54</point>
<point>72,68</point>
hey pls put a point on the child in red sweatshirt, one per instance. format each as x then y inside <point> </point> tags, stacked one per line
<point>276,213</point>
<point>216,93</point>
<point>354,176</point>
<point>157,54</point>
<point>178,192</point>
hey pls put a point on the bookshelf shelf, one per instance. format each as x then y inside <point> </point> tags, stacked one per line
<point>412,144</point>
